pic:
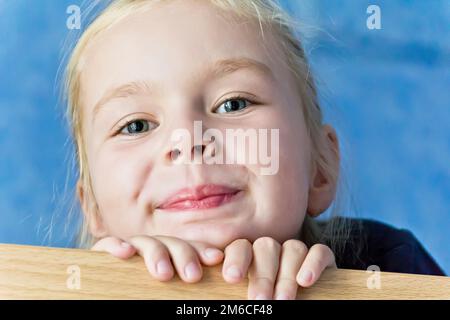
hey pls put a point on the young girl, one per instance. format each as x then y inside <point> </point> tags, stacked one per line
<point>145,69</point>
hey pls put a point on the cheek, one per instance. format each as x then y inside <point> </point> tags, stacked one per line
<point>117,178</point>
<point>281,203</point>
<point>282,198</point>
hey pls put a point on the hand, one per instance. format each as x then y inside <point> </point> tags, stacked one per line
<point>160,252</point>
<point>274,270</point>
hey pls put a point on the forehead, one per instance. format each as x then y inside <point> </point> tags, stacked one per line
<point>170,44</point>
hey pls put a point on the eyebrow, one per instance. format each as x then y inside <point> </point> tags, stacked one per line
<point>219,69</point>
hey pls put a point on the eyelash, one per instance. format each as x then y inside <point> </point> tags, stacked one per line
<point>126,124</point>
<point>238,97</point>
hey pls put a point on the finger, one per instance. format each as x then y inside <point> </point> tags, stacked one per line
<point>238,256</point>
<point>293,253</point>
<point>208,255</point>
<point>184,257</point>
<point>115,246</point>
<point>156,256</point>
<point>318,258</point>
<point>264,268</point>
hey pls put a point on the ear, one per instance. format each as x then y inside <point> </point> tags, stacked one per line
<point>323,186</point>
<point>90,211</point>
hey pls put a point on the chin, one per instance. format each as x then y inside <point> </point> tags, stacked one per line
<point>219,235</point>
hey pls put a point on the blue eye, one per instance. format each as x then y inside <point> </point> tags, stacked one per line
<point>135,127</point>
<point>232,105</point>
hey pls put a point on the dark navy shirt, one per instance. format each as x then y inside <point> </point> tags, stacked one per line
<point>389,248</point>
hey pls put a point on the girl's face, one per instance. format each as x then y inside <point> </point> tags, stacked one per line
<point>164,69</point>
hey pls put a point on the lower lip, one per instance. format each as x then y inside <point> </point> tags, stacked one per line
<point>209,202</point>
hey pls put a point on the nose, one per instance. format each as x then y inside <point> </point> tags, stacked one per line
<point>187,154</point>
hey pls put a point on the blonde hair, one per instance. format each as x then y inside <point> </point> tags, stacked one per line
<point>269,15</point>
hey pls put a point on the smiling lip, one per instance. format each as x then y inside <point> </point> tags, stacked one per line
<point>200,197</point>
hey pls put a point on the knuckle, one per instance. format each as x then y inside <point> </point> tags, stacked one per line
<point>140,238</point>
<point>141,241</point>
<point>322,250</point>
<point>295,245</point>
<point>147,245</point>
<point>322,254</point>
<point>198,244</point>
<point>266,243</point>
<point>239,243</point>
<point>185,247</point>
<point>286,282</point>
<point>182,250</point>
<point>258,278</point>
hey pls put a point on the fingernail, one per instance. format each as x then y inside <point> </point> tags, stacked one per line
<point>261,296</point>
<point>212,253</point>
<point>163,267</point>
<point>191,270</point>
<point>306,276</point>
<point>282,296</point>
<point>234,272</point>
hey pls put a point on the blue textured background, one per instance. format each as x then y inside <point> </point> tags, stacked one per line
<point>387,92</point>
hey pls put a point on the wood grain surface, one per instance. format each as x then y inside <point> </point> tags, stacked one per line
<point>30,272</point>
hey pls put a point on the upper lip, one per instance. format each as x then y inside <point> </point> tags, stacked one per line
<point>197,193</point>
